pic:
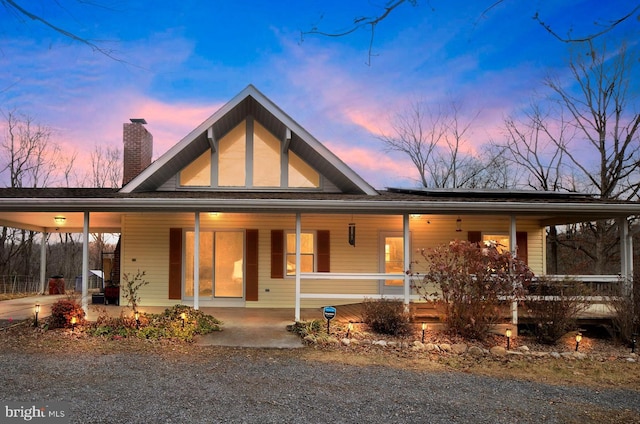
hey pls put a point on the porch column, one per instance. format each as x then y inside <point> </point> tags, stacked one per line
<point>298,242</point>
<point>407,258</point>
<point>196,262</point>
<point>85,263</point>
<point>626,255</point>
<point>513,243</point>
<point>43,262</point>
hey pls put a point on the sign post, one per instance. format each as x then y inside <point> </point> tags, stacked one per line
<point>329,313</point>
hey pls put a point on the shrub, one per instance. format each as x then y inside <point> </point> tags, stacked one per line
<point>475,282</point>
<point>131,286</point>
<point>626,309</point>
<point>554,306</point>
<point>308,328</point>
<point>387,316</point>
<point>167,325</point>
<point>63,311</point>
<point>196,322</point>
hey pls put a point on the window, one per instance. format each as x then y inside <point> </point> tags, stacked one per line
<point>501,241</point>
<point>198,172</point>
<point>301,175</point>
<point>307,253</point>
<point>266,158</point>
<point>232,151</point>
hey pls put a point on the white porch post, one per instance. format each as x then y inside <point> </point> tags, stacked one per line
<point>407,258</point>
<point>626,255</point>
<point>514,251</point>
<point>85,263</point>
<point>196,262</point>
<point>298,242</point>
<point>43,262</point>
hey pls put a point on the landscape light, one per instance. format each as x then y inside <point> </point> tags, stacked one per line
<point>424,328</point>
<point>508,335</point>
<point>578,340</point>
<point>74,320</point>
<point>37,312</point>
<point>184,317</point>
<point>634,336</point>
<point>349,328</point>
<point>137,316</point>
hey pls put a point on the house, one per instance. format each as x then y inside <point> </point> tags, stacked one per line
<point>269,217</point>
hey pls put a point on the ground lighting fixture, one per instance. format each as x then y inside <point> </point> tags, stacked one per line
<point>578,340</point>
<point>37,312</point>
<point>74,320</point>
<point>137,317</point>
<point>349,328</point>
<point>634,336</point>
<point>424,328</point>
<point>183,316</point>
<point>508,336</point>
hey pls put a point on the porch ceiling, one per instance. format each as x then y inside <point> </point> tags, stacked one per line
<point>99,222</point>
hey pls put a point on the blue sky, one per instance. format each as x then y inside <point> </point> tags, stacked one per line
<point>179,61</point>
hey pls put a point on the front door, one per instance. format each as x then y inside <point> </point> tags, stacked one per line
<point>392,262</point>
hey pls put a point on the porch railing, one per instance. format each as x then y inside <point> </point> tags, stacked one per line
<point>351,276</point>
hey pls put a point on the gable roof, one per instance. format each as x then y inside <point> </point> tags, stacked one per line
<point>250,101</point>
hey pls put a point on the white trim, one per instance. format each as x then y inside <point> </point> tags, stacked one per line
<point>349,276</point>
<point>85,263</point>
<point>196,262</point>
<point>43,262</point>
<point>298,242</point>
<point>407,257</point>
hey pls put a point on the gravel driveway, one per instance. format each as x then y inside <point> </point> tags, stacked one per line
<point>278,386</point>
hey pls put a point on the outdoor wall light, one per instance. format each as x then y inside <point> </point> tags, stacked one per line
<point>578,340</point>
<point>352,234</point>
<point>59,220</point>
<point>634,336</point>
<point>183,316</point>
<point>37,312</point>
<point>508,336</point>
<point>424,328</point>
<point>349,328</point>
<point>458,225</point>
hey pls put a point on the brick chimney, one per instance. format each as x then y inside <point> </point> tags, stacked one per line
<point>138,149</point>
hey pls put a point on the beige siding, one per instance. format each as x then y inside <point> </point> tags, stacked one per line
<point>145,247</point>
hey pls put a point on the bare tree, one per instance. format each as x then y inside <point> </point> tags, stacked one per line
<point>370,23</point>
<point>28,158</point>
<point>587,139</point>
<point>436,142</point>
<point>106,167</point>
<point>23,12</point>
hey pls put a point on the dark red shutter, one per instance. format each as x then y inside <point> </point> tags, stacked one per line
<point>324,251</point>
<point>175,263</point>
<point>523,248</point>
<point>251,276</point>
<point>474,236</point>
<point>277,253</point>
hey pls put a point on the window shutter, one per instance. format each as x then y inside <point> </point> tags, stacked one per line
<point>277,253</point>
<point>251,276</point>
<point>474,236</point>
<point>175,263</point>
<point>522,246</point>
<point>324,254</point>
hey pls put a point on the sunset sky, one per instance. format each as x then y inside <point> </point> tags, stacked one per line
<point>175,63</point>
